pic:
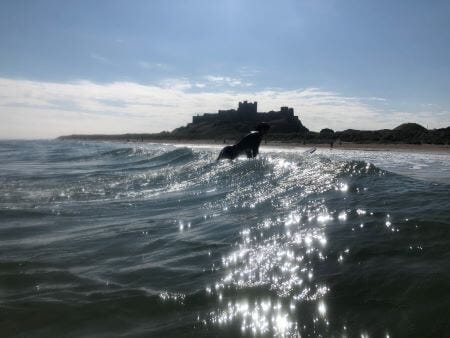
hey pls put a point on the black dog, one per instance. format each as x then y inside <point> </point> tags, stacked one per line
<point>248,145</point>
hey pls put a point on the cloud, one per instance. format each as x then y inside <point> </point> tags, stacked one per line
<point>248,71</point>
<point>35,109</point>
<point>100,58</point>
<point>153,65</point>
<point>227,81</point>
<point>176,84</point>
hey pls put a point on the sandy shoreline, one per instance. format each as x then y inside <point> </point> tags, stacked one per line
<point>344,146</point>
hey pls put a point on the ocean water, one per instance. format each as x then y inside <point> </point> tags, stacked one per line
<point>144,240</point>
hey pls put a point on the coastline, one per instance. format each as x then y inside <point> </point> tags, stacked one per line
<point>343,146</point>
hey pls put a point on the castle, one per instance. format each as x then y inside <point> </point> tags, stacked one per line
<point>282,121</point>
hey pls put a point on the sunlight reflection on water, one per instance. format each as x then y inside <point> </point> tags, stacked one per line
<point>279,254</point>
<point>281,245</point>
<point>278,257</point>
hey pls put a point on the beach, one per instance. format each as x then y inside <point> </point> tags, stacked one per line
<point>401,147</point>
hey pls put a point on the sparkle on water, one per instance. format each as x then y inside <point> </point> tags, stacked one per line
<point>269,278</point>
<point>280,253</point>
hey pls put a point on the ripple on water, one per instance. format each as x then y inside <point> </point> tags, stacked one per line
<point>127,237</point>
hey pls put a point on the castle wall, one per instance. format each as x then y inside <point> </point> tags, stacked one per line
<point>283,120</point>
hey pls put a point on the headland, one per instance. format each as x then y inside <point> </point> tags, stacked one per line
<point>227,126</point>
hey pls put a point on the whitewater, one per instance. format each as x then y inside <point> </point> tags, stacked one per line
<point>105,239</point>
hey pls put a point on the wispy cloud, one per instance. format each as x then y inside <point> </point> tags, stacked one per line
<point>175,84</point>
<point>30,109</point>
<point>245,71</point>
<point>100,58</point>
<point>153,65</point>
<point>227,81</point>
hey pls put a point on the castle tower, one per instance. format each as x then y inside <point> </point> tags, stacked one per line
<point>248,110</point>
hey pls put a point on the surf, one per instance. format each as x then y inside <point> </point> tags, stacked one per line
<point>294,241</point>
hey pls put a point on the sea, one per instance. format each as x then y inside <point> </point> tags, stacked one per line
<point>111,239</point>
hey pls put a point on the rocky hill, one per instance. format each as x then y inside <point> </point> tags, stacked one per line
<point>411,133</point>
<point>231,125</point>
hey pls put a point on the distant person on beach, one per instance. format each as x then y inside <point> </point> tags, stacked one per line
<point>249,145</point>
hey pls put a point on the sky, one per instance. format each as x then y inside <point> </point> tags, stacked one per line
<point>71,67</point>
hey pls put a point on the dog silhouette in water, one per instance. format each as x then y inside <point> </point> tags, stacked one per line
<point>249,145</point>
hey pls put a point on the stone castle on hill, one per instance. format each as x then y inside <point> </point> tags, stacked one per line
<point>282,121</point>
